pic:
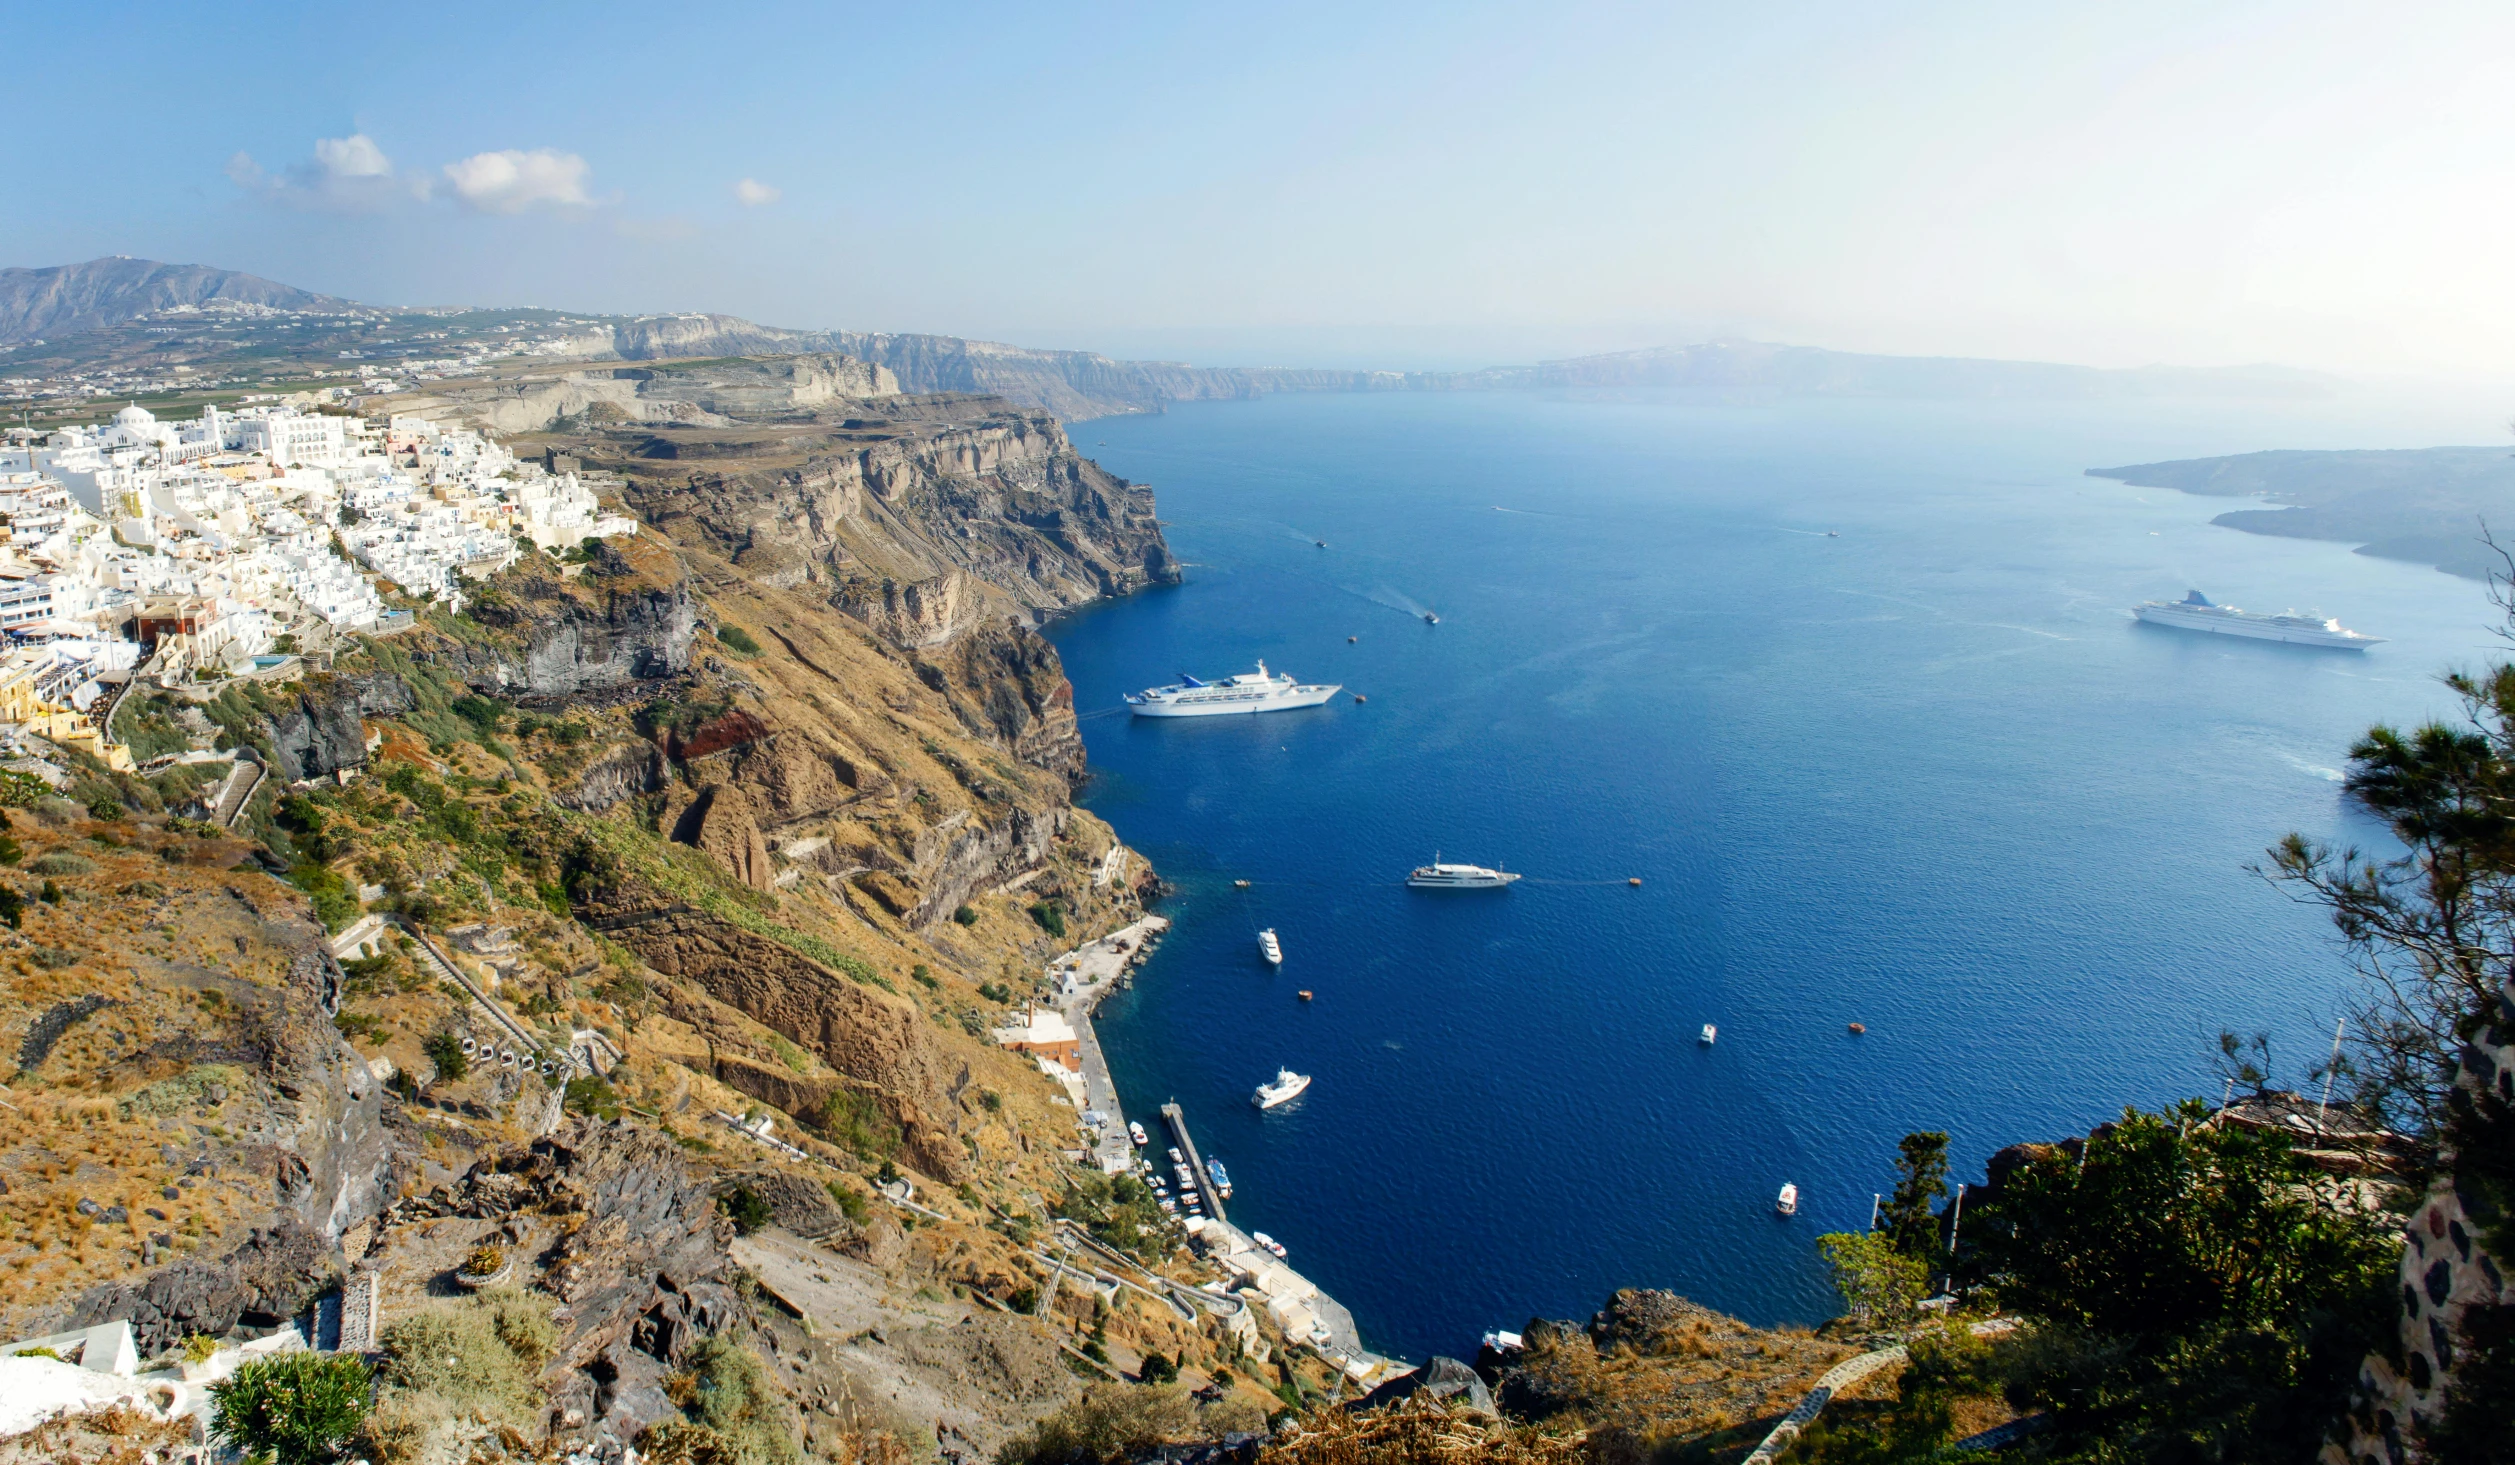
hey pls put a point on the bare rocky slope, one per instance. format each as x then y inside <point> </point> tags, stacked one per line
<point>768,807</point>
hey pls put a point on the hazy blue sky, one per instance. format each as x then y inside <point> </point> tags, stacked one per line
<point>2319,184</point>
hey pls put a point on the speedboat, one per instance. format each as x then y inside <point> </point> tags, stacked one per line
<point>1175,1157</point>
<point>1787,1203</point>
<point>1268,1242</point>
<point>1430,619</point>
<point>1438,876</point>
<point>1136,1133</point>
<point>1711,1035</point>
<point>1221,1178</point>
<point>1270,948</point>
<point>1287,1087</point>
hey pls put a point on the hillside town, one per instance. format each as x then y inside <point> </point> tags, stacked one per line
<point>186,553</point>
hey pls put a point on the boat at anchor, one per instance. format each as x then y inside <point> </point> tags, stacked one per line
<point>1259,691</point>
<point>1438,876</point>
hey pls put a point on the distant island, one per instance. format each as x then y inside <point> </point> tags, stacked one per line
<point>136,328</point>
<point>2424,505</point>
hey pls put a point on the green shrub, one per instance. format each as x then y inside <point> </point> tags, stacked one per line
<point>850,1202</point>
<point>592,1096</point>
<point>743,1206</point>
<point>732,1400</point>
<point>856,1123</point>
<point>966,915</point>
<point>104,808</point>
<point>335,904</point>
<point>61,862</point>
<point>1879,1283</point>
<point>735,638</point>
<point>445,1050</point>
<point>1050,916</point>
<point>296,1408</point>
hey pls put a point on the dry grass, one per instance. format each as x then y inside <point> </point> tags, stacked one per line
<point>115,1435</point>
<point>1418,1432</point>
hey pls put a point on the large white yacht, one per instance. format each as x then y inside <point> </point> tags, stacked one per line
<point>1270,948</point>
<point>2194,612</point>
<point>1438,876</point>
<point>1260,691</point>
<point>1287,1087</point>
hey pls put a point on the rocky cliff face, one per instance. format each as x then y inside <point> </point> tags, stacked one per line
<point>938,514</point>
<point>617,630</point>
<point>711,393</point>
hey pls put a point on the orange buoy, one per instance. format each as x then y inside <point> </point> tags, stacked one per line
<point>1859,1027</point>
<point>1305,994</point>
<point>1636,880</point>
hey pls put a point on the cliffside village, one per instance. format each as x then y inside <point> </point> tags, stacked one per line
<point>185,553</point>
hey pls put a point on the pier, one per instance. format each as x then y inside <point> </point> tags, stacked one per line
<point>1196,1163</point>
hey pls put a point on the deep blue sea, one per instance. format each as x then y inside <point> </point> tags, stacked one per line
<point>1927,775</point>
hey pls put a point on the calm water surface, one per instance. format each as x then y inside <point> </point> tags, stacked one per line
<point>1926,775</point>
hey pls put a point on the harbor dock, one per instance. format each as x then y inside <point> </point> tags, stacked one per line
<point>1196,1164</point>
<point>1083,979</point>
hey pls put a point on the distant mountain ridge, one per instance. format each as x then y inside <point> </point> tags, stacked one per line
<point>1081,384</point>
<point>64,300</point>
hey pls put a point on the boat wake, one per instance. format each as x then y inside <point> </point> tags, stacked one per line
<point>1406,605</point>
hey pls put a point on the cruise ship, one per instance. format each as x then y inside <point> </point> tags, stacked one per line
<point>1259,691</point>
<point>2194,612</point>
<point>1438,876</point>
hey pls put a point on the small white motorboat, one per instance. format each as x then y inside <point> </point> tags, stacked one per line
<point>1711,1035</point>
<point>1136,1133</point>
<point>1270,948</point>
<point>1787,1203</point>
<point>1268,1242</point>
<point>1175,1157</point>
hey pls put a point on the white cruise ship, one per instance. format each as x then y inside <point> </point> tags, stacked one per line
<point>1247,692</point>
<point>2194,612</point>
<point>1438,876</point>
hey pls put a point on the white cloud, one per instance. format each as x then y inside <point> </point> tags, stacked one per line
<point>354,156</point>
<point>346,175</point>
<point>753,193</point>
<point>513,180</point>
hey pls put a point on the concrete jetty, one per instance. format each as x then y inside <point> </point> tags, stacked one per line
<point>1307,1316</point>
<point>1196,1163</point>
